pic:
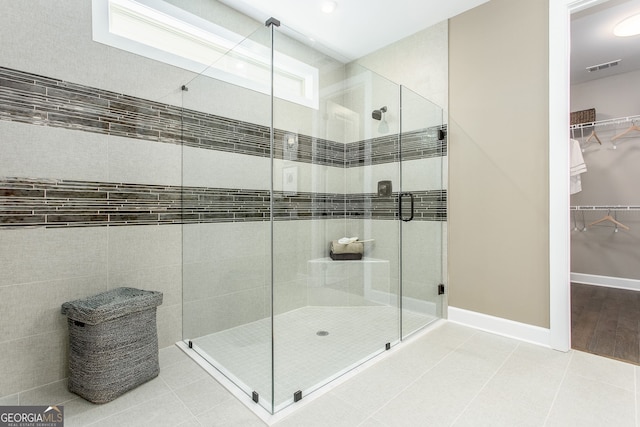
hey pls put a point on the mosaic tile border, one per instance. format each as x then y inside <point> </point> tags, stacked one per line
<point>51,203</point>
<point>419,144</point>
<point>45,101</point>
<point>39,100</point>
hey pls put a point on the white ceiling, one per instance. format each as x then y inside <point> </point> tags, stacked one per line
<point>356,27</point>
<point>359,27</point>
<point>593,42</point>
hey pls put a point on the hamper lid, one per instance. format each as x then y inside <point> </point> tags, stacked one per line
<point>111,305</point>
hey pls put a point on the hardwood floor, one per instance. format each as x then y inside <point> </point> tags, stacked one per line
<point>606,322</point>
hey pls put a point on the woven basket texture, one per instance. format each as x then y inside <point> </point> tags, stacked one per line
<point>584,116</point>
<point>111,304</point>
<point>113,342</point>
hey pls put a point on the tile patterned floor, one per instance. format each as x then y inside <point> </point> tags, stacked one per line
<point>451,376</point>
<point>304,359</point>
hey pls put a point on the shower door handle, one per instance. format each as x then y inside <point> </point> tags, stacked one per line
<point>400,197</point>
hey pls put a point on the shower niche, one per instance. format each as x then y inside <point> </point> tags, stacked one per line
<point>275,168</point>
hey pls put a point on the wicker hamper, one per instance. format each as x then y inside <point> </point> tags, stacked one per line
<point>113,342</point>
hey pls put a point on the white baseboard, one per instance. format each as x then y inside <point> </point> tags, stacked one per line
<point>610,282</point>
<point>500,326</point>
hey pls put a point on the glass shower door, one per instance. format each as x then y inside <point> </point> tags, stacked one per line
<point>422,211</point>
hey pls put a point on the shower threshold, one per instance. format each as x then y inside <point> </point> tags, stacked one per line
<point>304,360</point>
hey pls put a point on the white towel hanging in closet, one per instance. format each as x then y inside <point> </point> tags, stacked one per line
<point>577,166</point>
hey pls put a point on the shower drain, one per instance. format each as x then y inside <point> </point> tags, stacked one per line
<point>322,333</point>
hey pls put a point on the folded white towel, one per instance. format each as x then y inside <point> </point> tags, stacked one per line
<point>347,240</point>
<point>577,166</point>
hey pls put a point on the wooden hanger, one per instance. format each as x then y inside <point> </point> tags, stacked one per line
<point>629,129</point>
<point>609,218</point>
<point>594,135</point>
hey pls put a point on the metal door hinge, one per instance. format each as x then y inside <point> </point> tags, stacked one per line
<point>440,289</point>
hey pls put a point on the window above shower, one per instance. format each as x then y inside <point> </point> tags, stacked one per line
<point>163,32</point>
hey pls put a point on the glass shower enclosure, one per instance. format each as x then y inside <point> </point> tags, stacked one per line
<point>287,148</point>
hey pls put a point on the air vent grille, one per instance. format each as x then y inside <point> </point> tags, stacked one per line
<point>603,66</point>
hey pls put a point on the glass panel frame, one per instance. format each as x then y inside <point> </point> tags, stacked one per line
<point>226,227</point>
<point>269,184</point>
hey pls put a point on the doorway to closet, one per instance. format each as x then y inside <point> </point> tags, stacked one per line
<point>605,196</point>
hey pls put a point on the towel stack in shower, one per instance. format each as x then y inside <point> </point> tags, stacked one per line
<point>344,252</point>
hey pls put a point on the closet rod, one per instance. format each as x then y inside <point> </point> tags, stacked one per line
<point>606,208</point>
<point>616,121</point>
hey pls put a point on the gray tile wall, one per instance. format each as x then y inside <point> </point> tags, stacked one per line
<point>44,267</point>
<point>62,230</point>
<point>39,100</point>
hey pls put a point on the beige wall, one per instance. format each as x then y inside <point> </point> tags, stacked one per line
<point>498,154</point>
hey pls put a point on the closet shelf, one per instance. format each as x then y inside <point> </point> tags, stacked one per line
<point>606,208</point>
<point>616,121</point>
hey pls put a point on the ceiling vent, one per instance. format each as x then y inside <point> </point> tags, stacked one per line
<point>603,66</point>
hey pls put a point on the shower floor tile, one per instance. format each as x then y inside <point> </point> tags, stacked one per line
<point>312,344</point>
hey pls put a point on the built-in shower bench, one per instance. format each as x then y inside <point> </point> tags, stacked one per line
<point>368,278</point>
